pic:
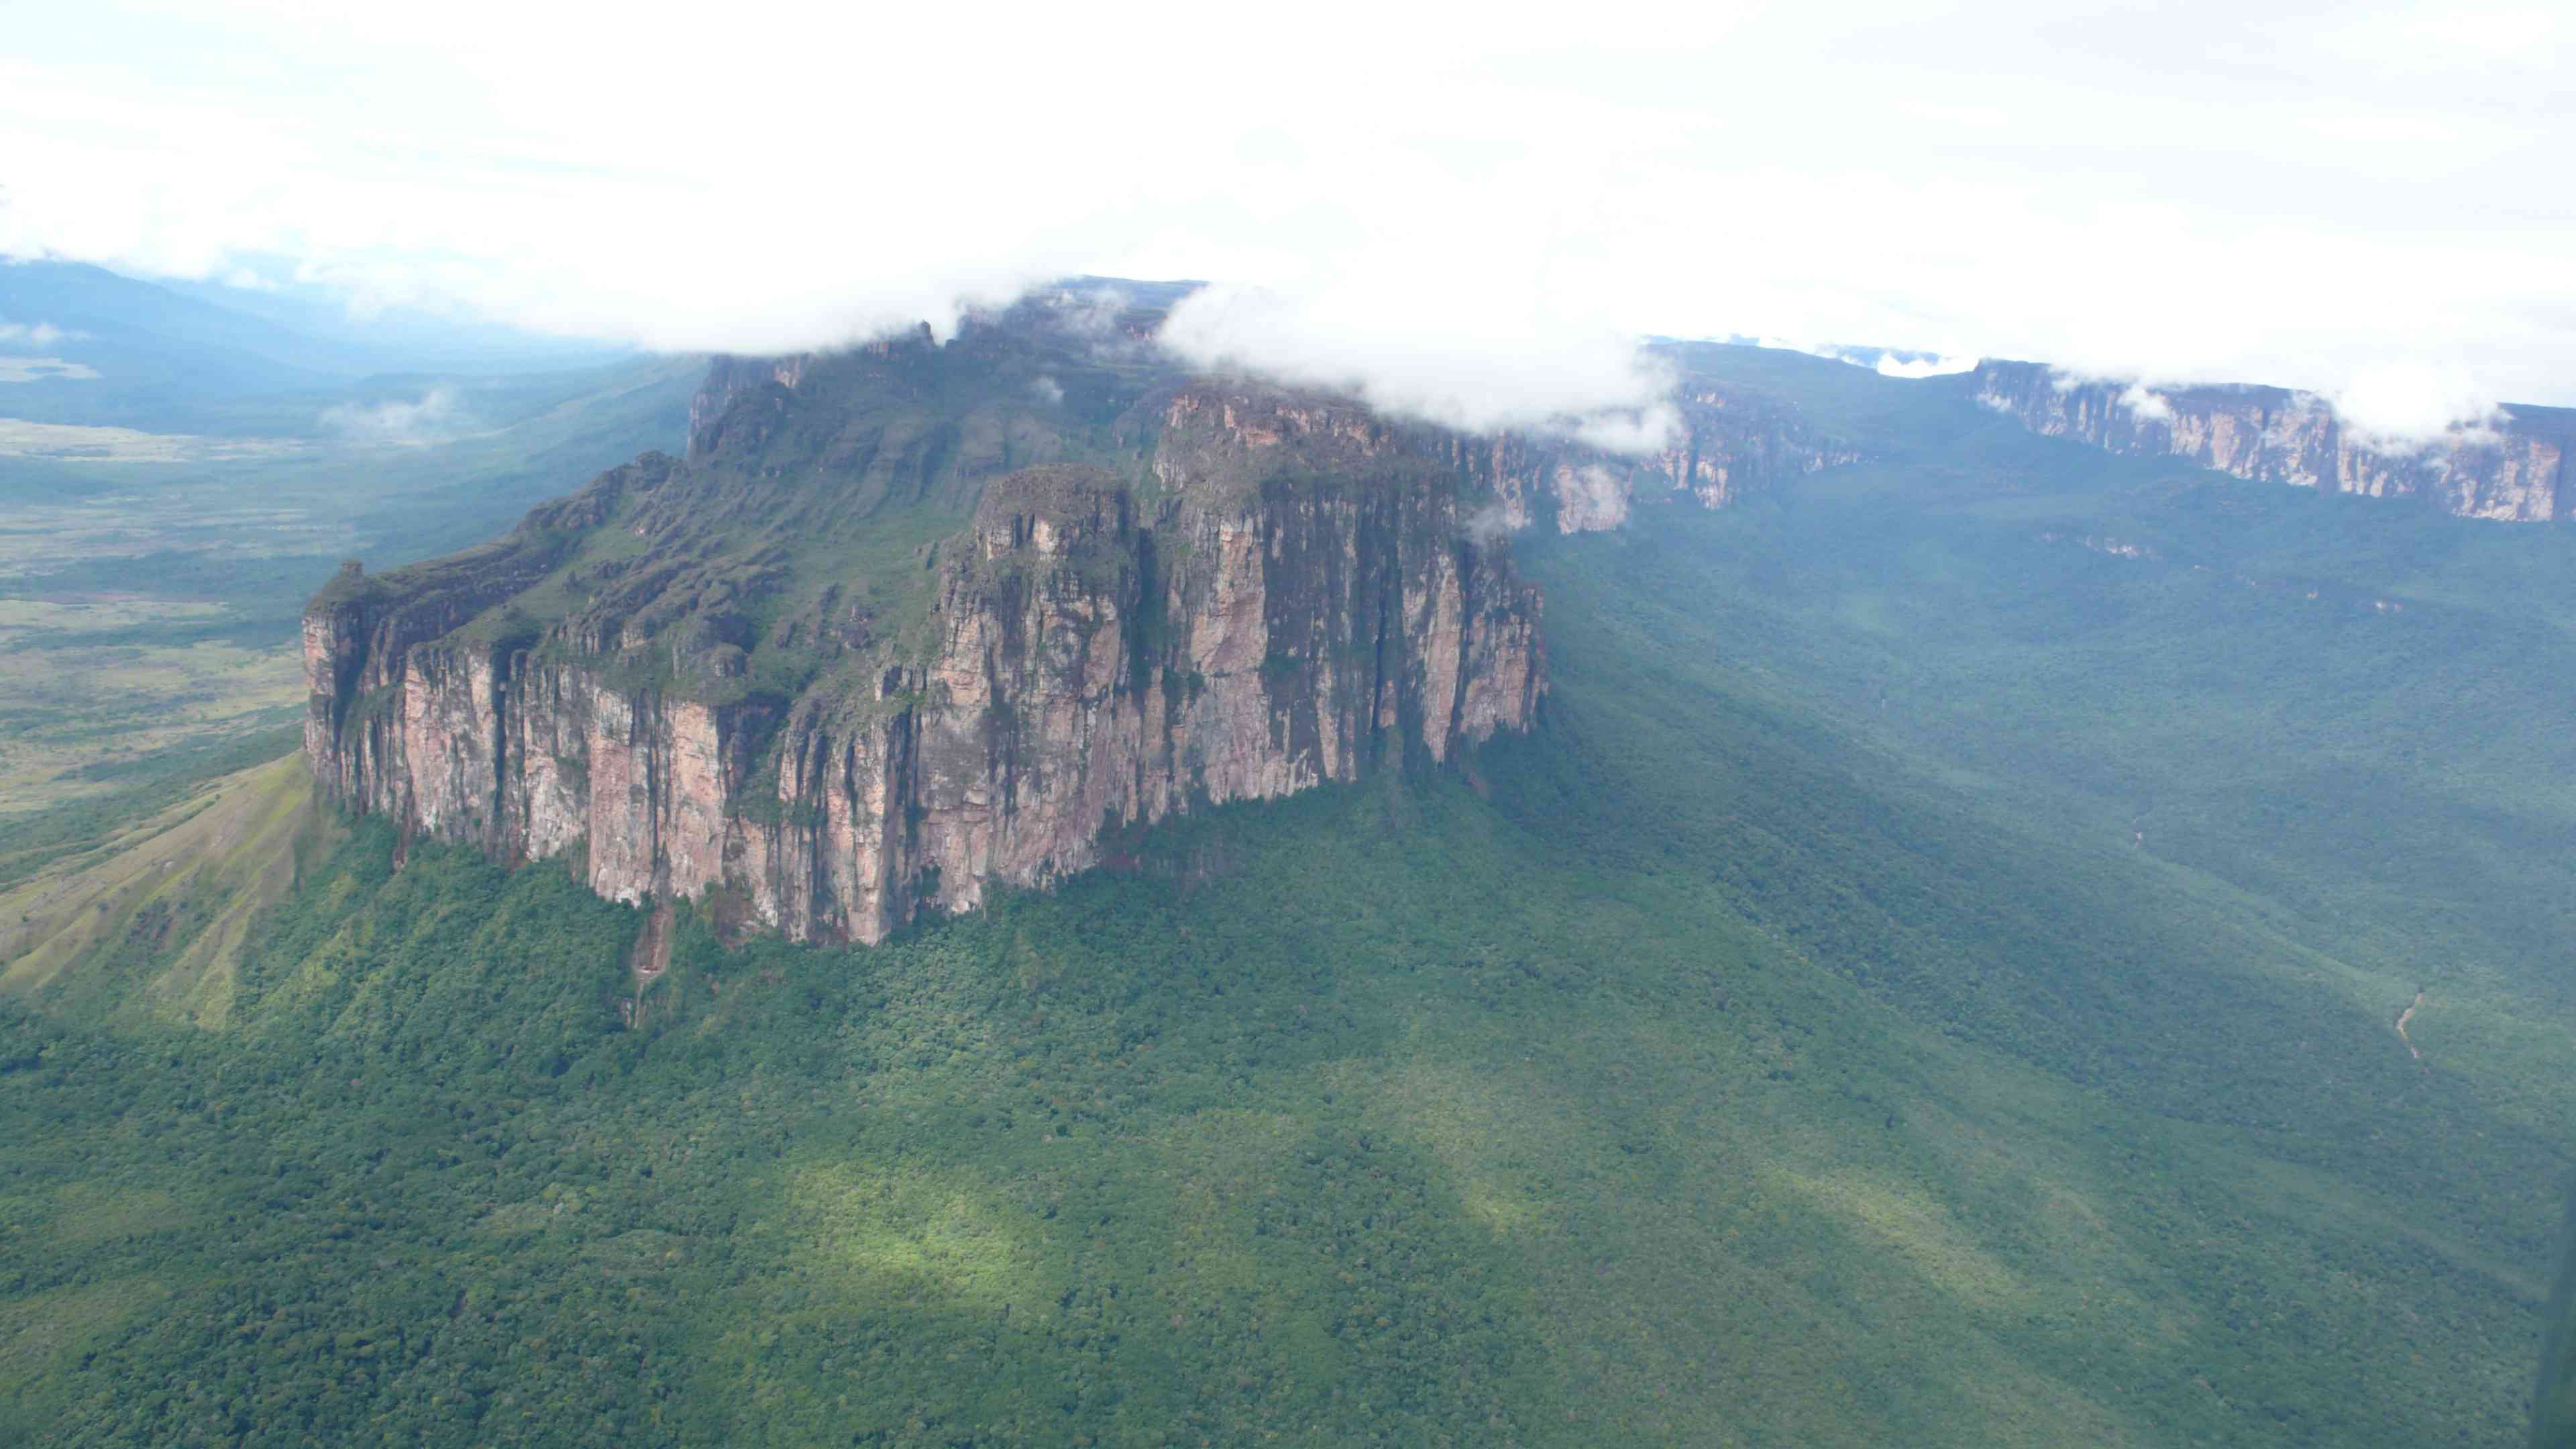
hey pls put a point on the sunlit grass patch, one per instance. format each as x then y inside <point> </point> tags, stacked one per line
<point>1918,1229</point>
<point>40,1330</point>
<point>98,612</point>
<point>83,719</point>
<point>911,1239</point>
<point>93,1212</point>
<point>175,895</point>
<point>1501,1135</point>
<point>74,442</point>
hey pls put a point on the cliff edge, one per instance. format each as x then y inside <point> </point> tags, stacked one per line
<point>2513,470</point>
<point>775,676</point>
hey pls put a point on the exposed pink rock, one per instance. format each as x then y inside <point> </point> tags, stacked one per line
<point>2513,470</point>
<point>1097,656</point>
<point>1173,591</point>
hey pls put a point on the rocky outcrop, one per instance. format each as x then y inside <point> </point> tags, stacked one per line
<point>727,678</point>
<point>2514,469</point>
<point>774,677</point>
<point>1715,444</point>
<point>1732,441</point>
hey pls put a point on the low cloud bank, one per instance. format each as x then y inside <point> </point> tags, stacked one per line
<point>33,334</point>
<point>438,414</point>
<point>2146,402</point>
<point>1465,223</point>
<point>2413,401</point>
<point>1931,364</point>
<point>2397,408</point>
<point>1477,364</point>
<point>1885,361</point>
<point>1591,497</point>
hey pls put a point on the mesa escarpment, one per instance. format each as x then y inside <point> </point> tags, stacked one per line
<point>771,674</point>
<point>777,675</point>
<point>2514,470</point>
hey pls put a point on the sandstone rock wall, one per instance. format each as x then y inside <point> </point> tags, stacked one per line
<point>717,678</point>
<point>1101,650</point>
<point>2513,471</point>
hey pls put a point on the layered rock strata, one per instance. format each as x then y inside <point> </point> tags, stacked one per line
<point>770,676</point>
<point>2514,469</point>
<point>1280,594</point>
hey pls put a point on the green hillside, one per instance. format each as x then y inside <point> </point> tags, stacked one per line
<point>1931,981</point>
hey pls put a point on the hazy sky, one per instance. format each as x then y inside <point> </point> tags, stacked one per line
<point>1466,210</point>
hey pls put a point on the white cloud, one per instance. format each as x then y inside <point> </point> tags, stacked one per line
<point>1425,347</point>
<point>1589,498</point>
<point>1625,430</point>
<point>2411,399</point>
<point>1891,364</point>
<point>1885,361</point>
<point>1493,522</point>
<point>1091,312</point>
<point>438,414</point>
<point>2146,402</point>
<point>1452,217</point>
<point>45,369</point>
<point>34,334</point>
<point>1048,391</point>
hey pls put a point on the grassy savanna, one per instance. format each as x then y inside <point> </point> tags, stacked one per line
<point>149,590</point>
<point>1931,980</point>
<point>183,887</point>
<point>76,443</point>
<point>76,716</point>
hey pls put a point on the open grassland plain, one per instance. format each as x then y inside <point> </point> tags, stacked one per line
<point>76,443</point>
<point>79,718</point>
<point>149,586</point>
<point>1932,980</point>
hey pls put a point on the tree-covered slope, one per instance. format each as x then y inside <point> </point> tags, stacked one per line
<point>1930,980</point>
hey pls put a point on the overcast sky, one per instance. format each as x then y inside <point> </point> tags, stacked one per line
<point>1470,218</point>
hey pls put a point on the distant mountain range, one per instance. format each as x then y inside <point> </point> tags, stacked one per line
<point>80,344</point>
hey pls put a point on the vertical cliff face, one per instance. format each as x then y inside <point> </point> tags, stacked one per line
<point>2514,471</point>
<point>1732,441</point>
<point>1716,444</point>
<point>737,678</point>
<point>924,616</point>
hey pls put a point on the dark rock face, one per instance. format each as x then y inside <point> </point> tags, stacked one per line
<point>739,677</point>
<point>774,676</point>
<point>2515,471</point>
